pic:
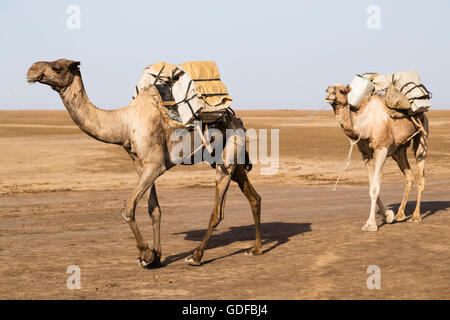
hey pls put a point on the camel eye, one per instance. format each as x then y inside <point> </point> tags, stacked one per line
<point>342,91</point>
<point>57,69</point>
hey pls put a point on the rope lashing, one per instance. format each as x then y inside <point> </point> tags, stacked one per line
<point>347,161</point>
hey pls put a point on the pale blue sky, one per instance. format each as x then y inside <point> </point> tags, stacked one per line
<point>271,54</point>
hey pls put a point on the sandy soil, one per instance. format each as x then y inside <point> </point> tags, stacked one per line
<point>60,194</point>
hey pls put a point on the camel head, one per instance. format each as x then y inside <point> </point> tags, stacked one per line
<point>57,74</point>
<point>337,95</point>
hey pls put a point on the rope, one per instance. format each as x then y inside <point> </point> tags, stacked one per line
<point>297,121</point>
<point>352,143</point>
<point>347,161</point>
<point>302,118</point>
<point>15,92</point>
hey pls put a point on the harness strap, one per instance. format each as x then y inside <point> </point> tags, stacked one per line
<point>216,79</point>
<point>419,125</point>
<point>158,75</point>
<point>200,132</point>
<point>214,94</point>
<point>428,94</point>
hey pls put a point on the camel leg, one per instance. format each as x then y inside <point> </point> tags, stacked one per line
<point>420,187</point>
<point>402,160</point>
<point>379,160</point>
<point>420,149</point>
<point>388,214</point>
<point>148,176</point>
<point>223,179</point>
<point>240,176</point>
<point>154,212</point>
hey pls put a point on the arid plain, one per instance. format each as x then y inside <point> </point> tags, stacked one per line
<point>61,193</point>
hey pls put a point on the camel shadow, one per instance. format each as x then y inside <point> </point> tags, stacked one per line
<point>428,208</point>
<point>275,233</point>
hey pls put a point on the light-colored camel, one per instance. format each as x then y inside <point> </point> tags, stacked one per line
<point>381,136</point>
<point>144,131</point>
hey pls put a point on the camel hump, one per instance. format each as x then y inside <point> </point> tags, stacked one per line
<point>149,96</point>
<point>151,91</point>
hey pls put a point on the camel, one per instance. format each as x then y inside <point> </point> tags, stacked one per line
<point>379,136</point>
<point>143,129</point>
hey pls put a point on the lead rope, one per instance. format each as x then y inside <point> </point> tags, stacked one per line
<point>302,118</point>
<point>347,161</point>
<point>296,121</point>
<point>15,92</point>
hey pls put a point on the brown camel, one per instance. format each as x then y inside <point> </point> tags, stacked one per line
<point>380,136</point>
<point>143,129</point>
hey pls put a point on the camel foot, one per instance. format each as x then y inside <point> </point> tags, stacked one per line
<point>190,261</point>
<point>149,261</point>
<point>254,252</point>
<point>415,218</point>
<point>400,217</point>
<point>370,227</point>
<point>389,216</point>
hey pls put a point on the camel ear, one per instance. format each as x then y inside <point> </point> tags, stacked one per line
<point>74,65</point>
<point>348,88</point>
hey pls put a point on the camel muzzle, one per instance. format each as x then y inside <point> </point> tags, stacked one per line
<point>32,79</point>
<point>330,98</point>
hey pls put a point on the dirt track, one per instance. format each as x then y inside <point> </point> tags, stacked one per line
<point>313,246</point>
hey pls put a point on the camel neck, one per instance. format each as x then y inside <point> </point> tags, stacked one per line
<point>103,125</point>
<point>344,117</point>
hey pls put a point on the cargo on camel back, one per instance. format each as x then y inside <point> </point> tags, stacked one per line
<point>190,91</point>
<point>403,91</point>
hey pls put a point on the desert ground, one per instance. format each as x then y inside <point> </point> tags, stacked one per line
<point>61,193</point>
